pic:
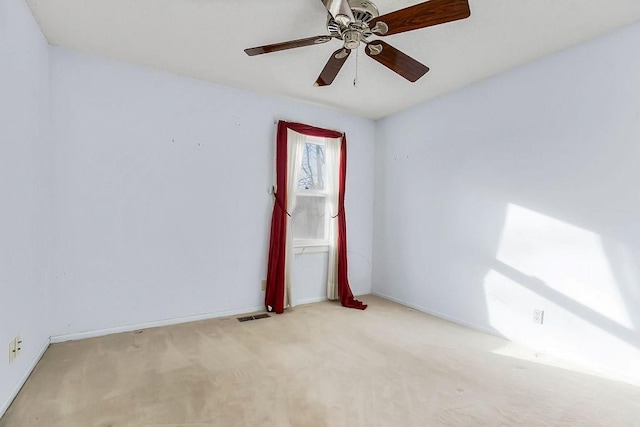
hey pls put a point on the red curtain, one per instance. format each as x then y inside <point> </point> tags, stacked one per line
<point>344,290</point>
<point>274,298</point>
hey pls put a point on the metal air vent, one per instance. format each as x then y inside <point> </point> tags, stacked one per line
<point>254,317</point>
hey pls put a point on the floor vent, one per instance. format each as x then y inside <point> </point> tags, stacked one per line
<point>256,317</point>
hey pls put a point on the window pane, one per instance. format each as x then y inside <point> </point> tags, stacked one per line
<point>307,219</point>
<point>312,170</point>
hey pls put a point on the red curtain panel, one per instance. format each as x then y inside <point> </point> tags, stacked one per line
<point>344,290</point>
<point>274,297</point>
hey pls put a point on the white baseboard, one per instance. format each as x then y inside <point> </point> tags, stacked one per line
<point>440,315</point>
<point>155,324</point>
<point>322,299</point>
<point>311,300</point>
<point>24,378</point>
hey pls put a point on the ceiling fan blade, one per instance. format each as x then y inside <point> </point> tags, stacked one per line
<point>340,11</point>
<point>395,60</point>
<point>287,45</point>
<point>427,14</point>
<point>333,67</point>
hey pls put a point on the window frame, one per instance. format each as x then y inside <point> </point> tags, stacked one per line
<point>314,245</point>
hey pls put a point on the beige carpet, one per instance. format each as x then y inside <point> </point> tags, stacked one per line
<point>317,365</point>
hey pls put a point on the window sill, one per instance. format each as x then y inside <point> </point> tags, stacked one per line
<point>299,249</point>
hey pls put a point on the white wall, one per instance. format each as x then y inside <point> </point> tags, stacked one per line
<point>521,192</point>
<point>25,193</point>
<point>162,195</point>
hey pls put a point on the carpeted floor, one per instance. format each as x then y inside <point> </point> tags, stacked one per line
<point>316,365</point>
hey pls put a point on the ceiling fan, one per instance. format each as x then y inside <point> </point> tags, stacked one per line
<point>354,21</point>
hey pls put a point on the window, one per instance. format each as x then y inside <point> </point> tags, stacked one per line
<point>311,170</point>
<point>310,216</point>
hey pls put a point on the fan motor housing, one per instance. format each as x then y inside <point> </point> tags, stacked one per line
<point>363,11</point>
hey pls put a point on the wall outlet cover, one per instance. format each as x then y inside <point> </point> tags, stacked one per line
<point>12,351</point>
<point>538,316</point>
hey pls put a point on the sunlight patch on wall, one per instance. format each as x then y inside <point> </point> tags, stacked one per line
<point>544,263</point>
<point>568,259</point>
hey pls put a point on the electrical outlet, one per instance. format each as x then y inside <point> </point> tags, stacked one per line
<point>15,346</point>
<point>263,285</point>
<point>538,316</point>
<point>12,351</point>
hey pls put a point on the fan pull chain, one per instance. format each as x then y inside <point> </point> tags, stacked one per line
<point>355,80</point>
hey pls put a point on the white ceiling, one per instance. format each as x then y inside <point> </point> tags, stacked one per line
<point>205,39</point>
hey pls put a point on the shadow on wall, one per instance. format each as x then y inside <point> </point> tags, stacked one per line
<point>587,285</point>
<point>457,249</point>
<point>582,311</point>
<point>456,244</point>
